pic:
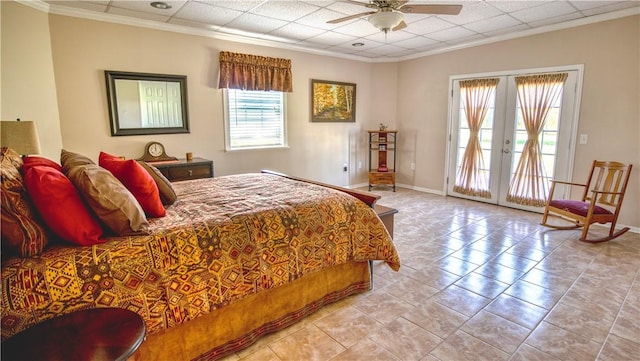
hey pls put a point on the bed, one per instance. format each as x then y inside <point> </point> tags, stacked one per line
<point>235,258</point>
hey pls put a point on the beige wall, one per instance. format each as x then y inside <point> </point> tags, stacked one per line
<point>609,111</point>
<point>28,84</point>
<point>317,150</point>
<point>410,96</point>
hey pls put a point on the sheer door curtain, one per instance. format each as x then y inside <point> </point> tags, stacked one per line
<point>473,177</point>
<point>536,95</point>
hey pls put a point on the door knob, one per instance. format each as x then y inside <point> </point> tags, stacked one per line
<point>506,151</point>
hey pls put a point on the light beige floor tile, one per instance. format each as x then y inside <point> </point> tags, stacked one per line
<point>564,265</point>
<point>365,350</point>
<point>562,344</point>
<point>436,318</point>
<point>598,276</point>
<point>430,357</point>
<point>619,349</point>
<point>411,291</point>
<point>262,354</point>
<point>539,296</point>
<point>348,326</point>
<point>461,300</point>
<point>518,311</point>
<point>528,353</point>
<point>472,255</point>
<point>528,251</point>
<point>548,280</point>
<point>485,245</point>
<point>264,341</point>
<point>546,240</point>
<point>516,262</point>
<point>406,340</point>
<point>590,324</point>
<point>496,331</point>
<point>420,313</point>
<point>499,238</point>
<point>499,272</point>
<point>482,285</point>
<point>456,266</point>
<point>461,346</point>
<point>449,242</point>
<point>605,301</point>
<point>309,343</point>
<point>383,307</point>
<point>627,324</point>
<point>433,276</point>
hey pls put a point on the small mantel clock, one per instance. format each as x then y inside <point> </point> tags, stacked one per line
<point>155,152</point>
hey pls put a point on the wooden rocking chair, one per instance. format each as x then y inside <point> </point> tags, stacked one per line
<point>600,203</point>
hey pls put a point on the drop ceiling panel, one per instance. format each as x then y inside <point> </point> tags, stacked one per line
<point>304,23</point>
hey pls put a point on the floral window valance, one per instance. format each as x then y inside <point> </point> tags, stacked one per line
<point>253,72</point>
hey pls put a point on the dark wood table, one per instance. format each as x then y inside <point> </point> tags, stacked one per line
<point>93,334</point>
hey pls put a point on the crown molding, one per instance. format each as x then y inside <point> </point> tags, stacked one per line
<point>529,32</point>
<point>257,40</point>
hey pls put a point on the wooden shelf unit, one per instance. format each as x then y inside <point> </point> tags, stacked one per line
<point>382,158</point>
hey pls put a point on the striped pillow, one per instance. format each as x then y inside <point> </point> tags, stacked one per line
<point>23,233</point>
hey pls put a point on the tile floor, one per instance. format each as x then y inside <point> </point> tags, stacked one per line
<point>478,282</point>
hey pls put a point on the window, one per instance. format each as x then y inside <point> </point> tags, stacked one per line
<point>254,119</point>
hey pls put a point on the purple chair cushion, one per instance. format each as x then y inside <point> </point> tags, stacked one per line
<point>577,207</point>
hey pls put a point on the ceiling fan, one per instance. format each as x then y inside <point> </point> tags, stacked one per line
<point>388,14</point>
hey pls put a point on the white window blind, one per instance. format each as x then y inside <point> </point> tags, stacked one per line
<point>255,119</point>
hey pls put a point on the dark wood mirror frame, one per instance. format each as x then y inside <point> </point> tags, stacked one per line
<point>122,112</point>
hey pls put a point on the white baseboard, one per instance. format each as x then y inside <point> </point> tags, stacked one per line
<point>420,189</point>
<point>442,193</point>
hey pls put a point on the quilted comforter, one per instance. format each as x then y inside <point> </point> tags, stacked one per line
<point>224,238</point>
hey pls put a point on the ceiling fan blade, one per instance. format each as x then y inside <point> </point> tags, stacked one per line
<point>431,9</point>
<point>400,26</point>
<point>339,20</point>
<point>368,5</point>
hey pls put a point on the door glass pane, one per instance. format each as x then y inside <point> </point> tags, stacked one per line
<point>548,139</point>
<point>485,136</point>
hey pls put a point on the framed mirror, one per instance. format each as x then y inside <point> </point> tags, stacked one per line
<point>141,103</point>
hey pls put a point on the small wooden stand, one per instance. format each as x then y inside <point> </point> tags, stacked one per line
<point>382,149</point>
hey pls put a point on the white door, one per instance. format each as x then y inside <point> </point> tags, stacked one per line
<point>503,135</point>
<point>160,104</point>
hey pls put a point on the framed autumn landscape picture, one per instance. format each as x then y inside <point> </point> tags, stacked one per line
<point>333,101</point>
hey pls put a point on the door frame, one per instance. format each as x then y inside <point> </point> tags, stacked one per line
<point>579,68</point>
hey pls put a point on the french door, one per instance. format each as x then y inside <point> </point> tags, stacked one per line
<point>507,129</point>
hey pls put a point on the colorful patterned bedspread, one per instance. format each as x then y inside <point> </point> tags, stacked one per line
<point>224,238</point>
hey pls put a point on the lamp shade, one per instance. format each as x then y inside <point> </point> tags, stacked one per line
<point>21,136</point>
<point>385,20</point>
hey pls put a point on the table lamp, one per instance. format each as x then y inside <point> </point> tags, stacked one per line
<point>21,136</point>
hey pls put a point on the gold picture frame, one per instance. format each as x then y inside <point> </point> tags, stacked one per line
<point>333,101</point>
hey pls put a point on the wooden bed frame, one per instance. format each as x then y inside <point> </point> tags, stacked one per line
<point>238,325</point>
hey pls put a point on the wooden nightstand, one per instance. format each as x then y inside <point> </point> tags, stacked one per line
<point>386,216</point>
<point>186,170</point>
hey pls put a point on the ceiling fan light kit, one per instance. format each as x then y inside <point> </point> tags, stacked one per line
<point>386,20</point>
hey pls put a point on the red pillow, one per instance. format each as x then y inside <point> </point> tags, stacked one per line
<point>61,207</point>
<point>137,180</point>
<point>28,162</point>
